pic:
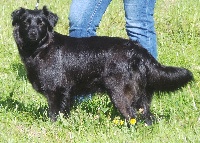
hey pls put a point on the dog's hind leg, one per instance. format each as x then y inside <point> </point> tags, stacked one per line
<point>123,105</point>
<point>146,111</point>
<point>144,103</point>
<point>121,101</point>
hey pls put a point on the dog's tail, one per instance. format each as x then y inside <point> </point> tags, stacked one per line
<point>167,78</point>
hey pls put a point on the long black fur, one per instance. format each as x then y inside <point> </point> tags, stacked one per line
<point>61,67</point>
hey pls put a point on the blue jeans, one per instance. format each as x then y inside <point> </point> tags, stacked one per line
<point>85,16</point>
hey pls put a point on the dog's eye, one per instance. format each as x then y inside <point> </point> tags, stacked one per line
<point>26,23</point>
<point>40,23</point>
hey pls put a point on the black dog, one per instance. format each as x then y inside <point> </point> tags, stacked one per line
<point>61,67</point>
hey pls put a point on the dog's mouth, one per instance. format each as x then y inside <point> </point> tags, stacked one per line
<point>31,38</point>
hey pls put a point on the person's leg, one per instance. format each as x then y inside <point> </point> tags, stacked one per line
<point>85,16</point>
<point>140,23</point>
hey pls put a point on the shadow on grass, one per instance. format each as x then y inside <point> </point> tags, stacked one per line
<point>99,105</point>
<point>41,112</point>
<point>103,107</point>
<point>20,70</point>
<point>36,113</point>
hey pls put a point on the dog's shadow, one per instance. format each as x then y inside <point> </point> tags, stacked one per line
<point>20,71</point>
<point>41,112</point>
<point>100,105</point>
<point>15,106</point>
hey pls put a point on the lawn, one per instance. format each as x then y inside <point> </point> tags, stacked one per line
<point>23,112</point>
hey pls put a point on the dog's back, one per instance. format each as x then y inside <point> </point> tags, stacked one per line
<point>103,56</point>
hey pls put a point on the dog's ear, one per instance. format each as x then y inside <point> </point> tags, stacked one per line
<point>52,18</point>
<point>16,15</point>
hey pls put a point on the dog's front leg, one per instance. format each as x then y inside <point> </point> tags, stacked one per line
<point>53,109</point>
<point>59,102</point>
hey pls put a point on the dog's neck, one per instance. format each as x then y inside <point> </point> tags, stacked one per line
<point>44,42</point>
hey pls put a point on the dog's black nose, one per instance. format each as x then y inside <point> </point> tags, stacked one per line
<point>33,31</point>
<point>33,34</point>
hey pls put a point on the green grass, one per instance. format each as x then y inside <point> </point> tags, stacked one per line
<point>23,112</point>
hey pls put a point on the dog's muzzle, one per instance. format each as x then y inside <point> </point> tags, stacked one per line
<point>33,34</point>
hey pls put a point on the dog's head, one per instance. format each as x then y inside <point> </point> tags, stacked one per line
<point>34,24</point>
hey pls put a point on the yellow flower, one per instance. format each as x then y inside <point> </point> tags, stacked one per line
<point>132,121</point>
<point>116,121</point>
<point>121,122</point>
